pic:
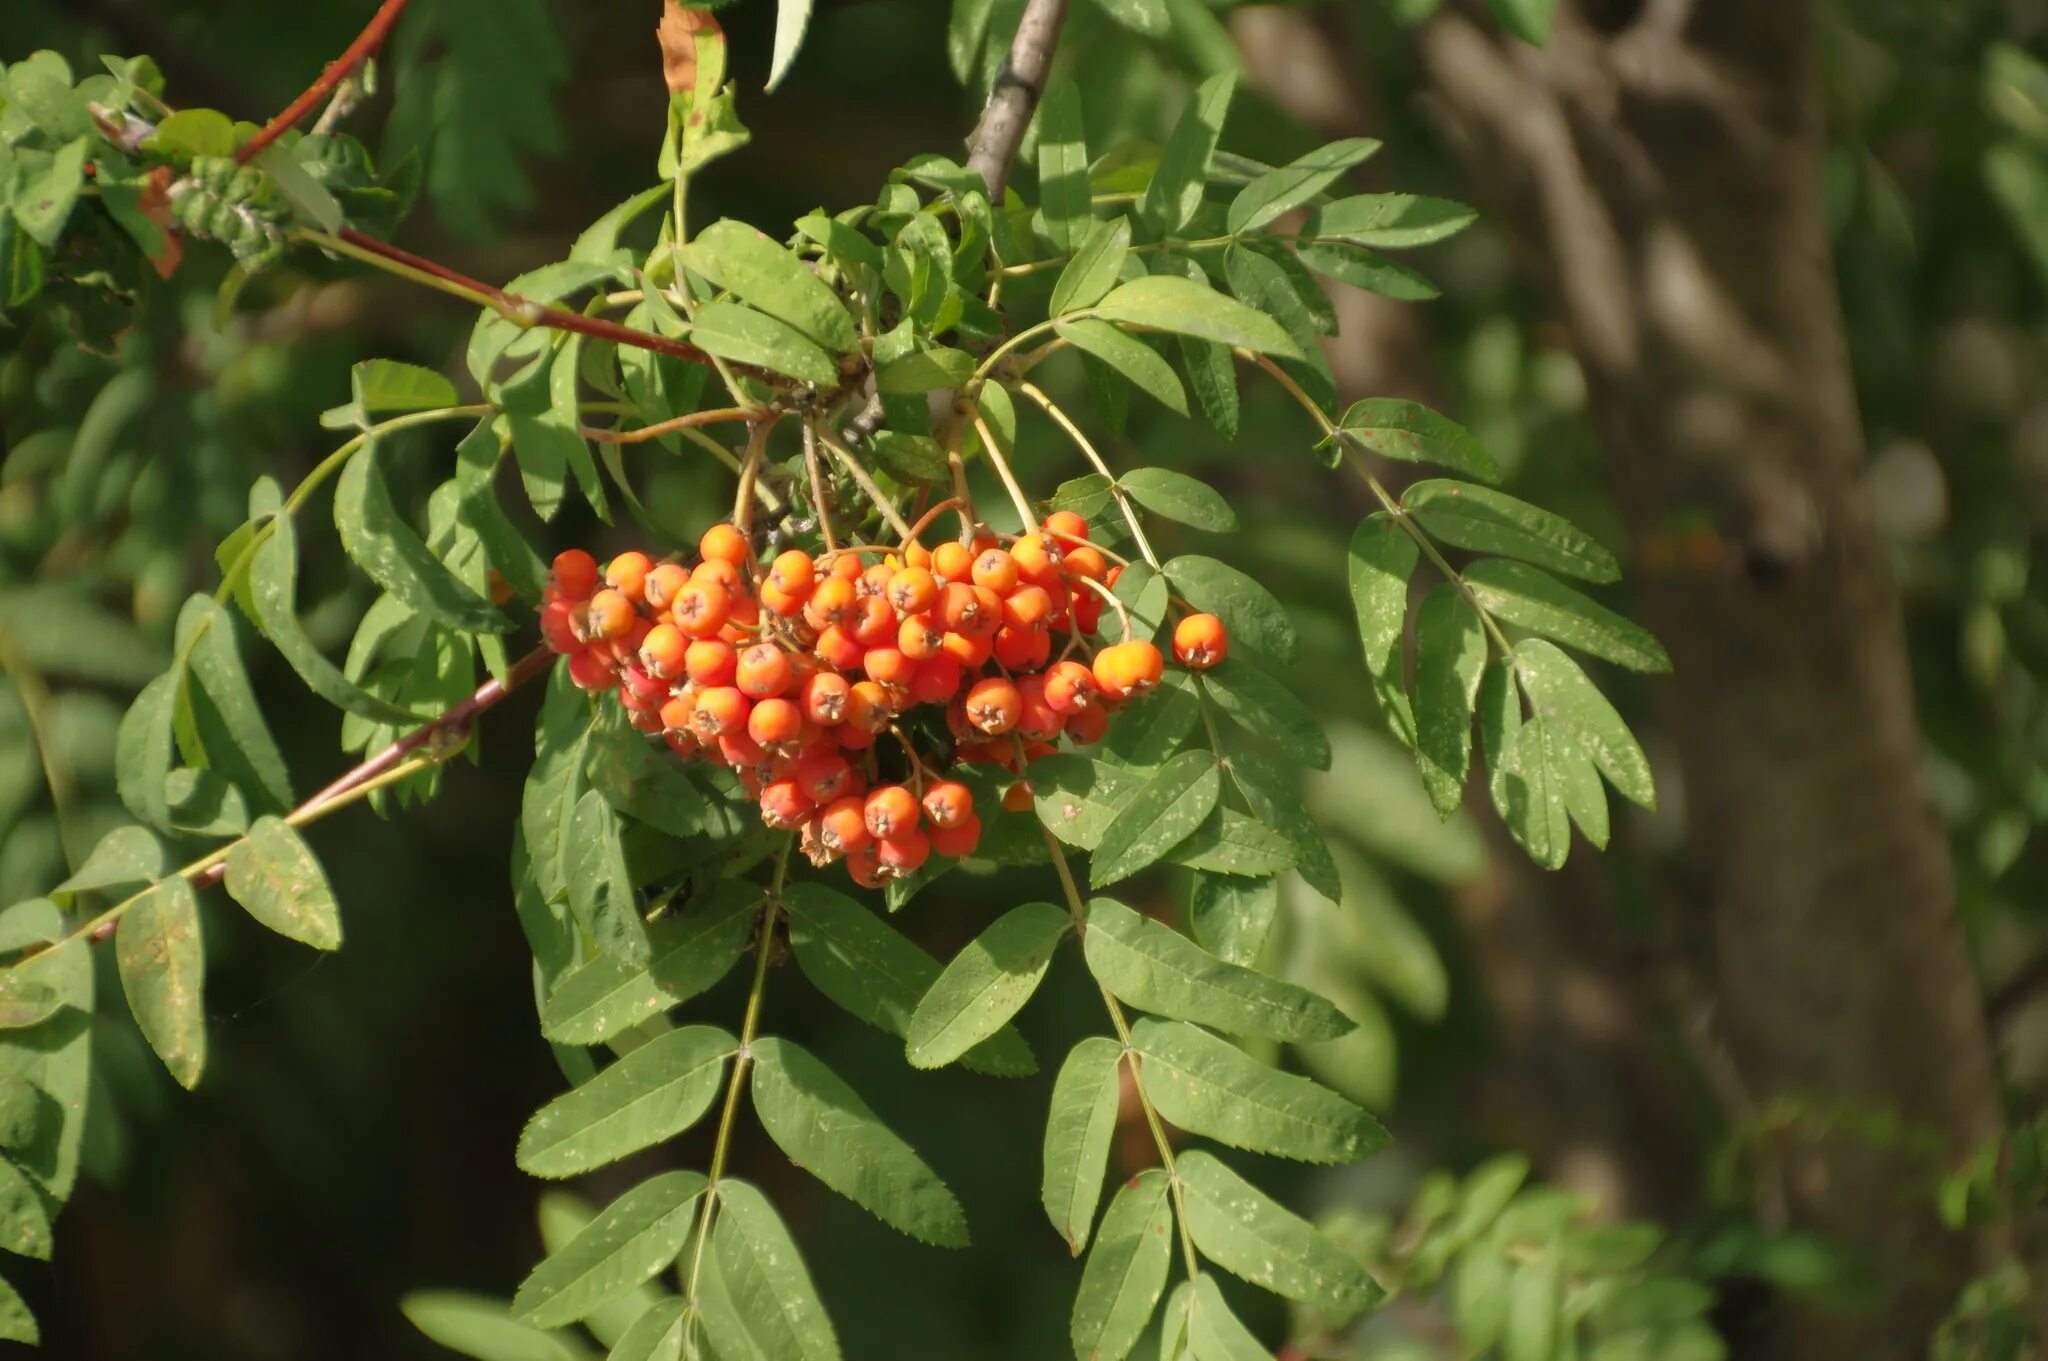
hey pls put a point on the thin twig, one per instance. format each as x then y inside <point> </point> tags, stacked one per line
<point>1066,423</point>
<point>366,44</point>
<point>821,499</point>
<point>992,148</point>
<point>1025,518</point>
<point>691,421</point>
<point>867,487</point>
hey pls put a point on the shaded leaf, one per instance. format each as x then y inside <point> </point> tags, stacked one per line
<point>1209,1086</point>
<point>1128,356</point>
<point>1154,968</point>
<point>1126,1269</point>
<point>163,969</point>
<point>1079,1126</point>
<point>1575,708</point>
<point>1263,706</point>
<point>1274,800</point>
<point>272,873</point>
<point>1097,262</point>
<point>484,1328</point>
<point>395,557</point>
<point>986,984</point>
<point>273,581</point>
<point>746,336</point>
<point>206,633</point>
<point>630,1240</point>
<point>1450,653</point>
<point>764,275</point>
<point>1173,802</point>
<point>1063,190</point>
<point>126,855</point>
<point>687,953</point>
<point>654,1093</point>
<point>600,888</point>
<point>1176,188</point>
<point>1253,615</point>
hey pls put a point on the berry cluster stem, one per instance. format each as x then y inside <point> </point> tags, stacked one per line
<point>1077,906</point>
<point>1094,457</point>
<point>1025,518</point>
<point>868,486</point>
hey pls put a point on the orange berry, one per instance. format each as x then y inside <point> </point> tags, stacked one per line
<point>1200,641</point>
<point>779,602</point>
<point>1126,669</point>
<point>832,602</point>
<point>664,582</point>
<point>725,543</point>
<point>1037,721</point>
<point>719,570</point>
<point>864,867</point>
<point>876,623</point>
<point>970,652</point>
<point>590,673</point>
<point>1086,560</point>
<point>996,570</point>
<point>676,714</point>
<point>824,698</point>
<point>721,710</point>
<point>744,755</point>
<point>611,615</point>
<point>936,680</point>
<point>842,825</point>
<point>889,811</point>
<point>574,574</point>
<point>1088,726</point>
<point>711,661</point>
<point>784,805</point>
<point>627,574</point>
<point>953,562</point>
<point>1018,798</point>
<point>993,706</point>
<point>880,704</point>
<point>664,651</point>
<point>948,803</point>
<point>1088,608</point>
<point>917,555</point>
<point>847,567</point>
<point>888,666</point>
<point>764,671</point>
<point>1038,558</point>
<point>904,853</point>
<point>1066,526</point>
<point>913,590</point>
<point>680,741</point>
<point>920,637</point>
<point>874,581</point>
<point>793,572</point>
<point>958,840</point>
<point>774,722</point>
<point>824,776</point>
<point>1028,607</point>
<point>1070,687</point>
<point>701,608</point>
<point>1022,649</point>
<point>837,648</point>
<point>558,626</point>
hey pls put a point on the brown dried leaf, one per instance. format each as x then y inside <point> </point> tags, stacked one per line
<point>677,33</point>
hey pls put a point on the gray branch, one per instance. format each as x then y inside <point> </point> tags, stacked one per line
<point>992,150</point>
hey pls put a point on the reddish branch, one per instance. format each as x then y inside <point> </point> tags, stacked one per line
<point>361,50</point>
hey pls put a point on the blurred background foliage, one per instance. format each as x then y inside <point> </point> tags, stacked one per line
<point>353,1140</point>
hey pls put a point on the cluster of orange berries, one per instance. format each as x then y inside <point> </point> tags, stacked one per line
<point>789,675</point>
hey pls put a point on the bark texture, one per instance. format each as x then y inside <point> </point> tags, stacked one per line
<point>1660,163</point>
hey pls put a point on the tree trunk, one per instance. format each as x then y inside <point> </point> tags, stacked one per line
<point>1660,163</point>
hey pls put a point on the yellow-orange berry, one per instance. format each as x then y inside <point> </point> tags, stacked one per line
<point>993,706</point>
<point>774,722</point>
<point>710,661</point>
<point>664,651</point>
<point>970,652</point>
<point>574,574</point>
<point>1126,669</point>
<point>1200,641</point>
<point>793,573</point>
<point>1087,726</point>
<point>701,608</point>
<point>1070,687</point>
<point>959,839</point>
<point>725,543</point>
<point>726,574</point>
<point>676,713</point>
<point>1038,558</point>
<point>664,582</point>
<point>824,698</point>
<point>1066,526</point>
<point>952,561</point>
<point>902,853</point>
<point>842,825</point>
<point>784,805</point>
<point>1086,560</point>
<point>1022,649</point>
<point>948,803</point>
<point>888,666</point>
<point>764,671</point>
<point>721,710</point>
<point>913,590</point>
<point>876,622</point>
<point>610,616</point>
<point>996,570</point>
<point>890,811</point>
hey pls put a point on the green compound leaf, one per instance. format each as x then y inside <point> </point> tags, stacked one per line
<point>396,558</point>
<point>688,953</point>
<point>1450,653</point>
<point>1079,1126</point>
<point>878,974</point>
<point>1168,302</point>
<point>1244,1231</point>
<point>765,276</point>
<point>654,1093</point>
<point>986,984</point>
<point>746,336</point>
<point>1126,1270</point>
<point>1393,427</point>
<point>1282,190</point>
<point>1533,599</point>
<point>273,581</point>
<point>1388,221</point>
<point>272,873</point>
<point>1173,802</point>
<point>1575,708</point>
<point>600,887</point>
<point>826,1129</point>
<point>1128,356</point>
<point>1209,1086</point>
<point>1156,969</point>
<point>1097,263</point>
<point>1264,707</point>
<point>163,971</point>
<point>251,757</point>
<point>1253,615</point>
<point>1233,917</point>
<point>1275,800</point>
<point>766,1278</point>
<point>1176,188</point>
<point>1490,521</point>
<point>630,1240</point>
<point>1180,498</point>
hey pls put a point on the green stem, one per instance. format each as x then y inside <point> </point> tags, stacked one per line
<point>1060,261</point>
<point>996,355</point>
<point>57,775</point>
<point>1078,908</point>
<point>1094,457</point>
<point>749,1027</point>
<point>867,485</point>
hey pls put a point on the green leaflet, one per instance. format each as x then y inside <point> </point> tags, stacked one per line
<point>1212,369</point>
<point>1167,302</point>
<point>1244,1231</point>
<point>396,558</point>
<point>273,581</point>
<point>1233,917</point>
<point>657,1335</point>
<point>1176,188</point>
<point>1079,1126</point>
<point>1382,558</point>
<point>1209,1086</point>
<point>554,782</point>
<point>1156,969</point>
<point>759,272</point>
<point>477,1326</point>
<point>600,887</point>
<point>126,855</point>
<point>1388,221</point>
<point>163,970</point>
<point>1396,428</point>
<point>1530,1331</point>
<point>144,750</point>
<point>1264,707</point>
<point>1179,497</point>
<point>1077,798</point>
<point>1128,356</point>
<point>1146,734</point>
<point>1063,190</point>
<point>1528,20</point>
<point>1275,800</point>
<point>1173,1323</point>
<point>630,1240</point>
<point>766,1278</point>
<point>1145,596</point>
<point>746,336</point>
<point>728,1334</point>
<point>24,1220</point>
<point>643,780</point>
<point>1575,708</point>
<point>986,984</point>
<point>1535,600</point>
<point>1253,614</point>
<point>1375,273</point>
<point>1173,802</point>
<point>1450,653</point>
<point>53,1059</point>
<point>1214,1333</point>
<point>1490,521</point>
<point>826,1129</point>
<point>1229,842</point>
<point>655,1092</point>
<point>250,757</point>
<point>878,974</point>
<point>1126,1270</point>
<point>687,953</point>
<point>560,1217</point>
<point>272,873</point>
<point>1097,262</point>
<point>1286,188</point>
<point>924,370</point>
<point>792,17</point>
